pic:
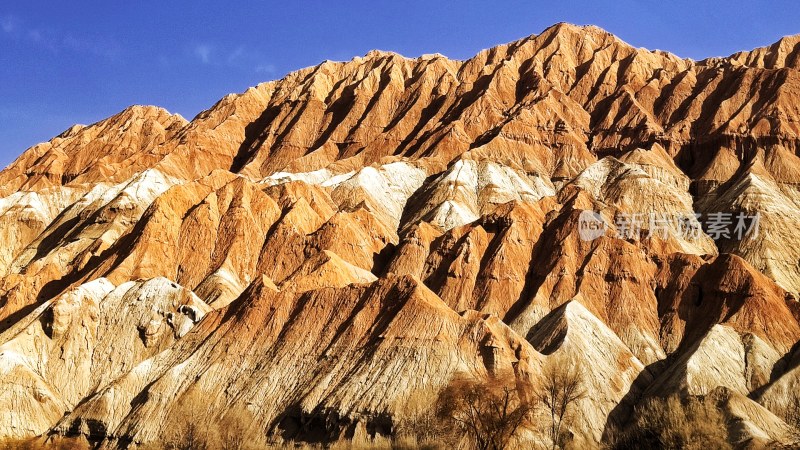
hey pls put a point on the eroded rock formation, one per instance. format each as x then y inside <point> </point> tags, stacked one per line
<point>327,249</point>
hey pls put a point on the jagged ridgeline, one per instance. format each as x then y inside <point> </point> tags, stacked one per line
<point>321,256</point>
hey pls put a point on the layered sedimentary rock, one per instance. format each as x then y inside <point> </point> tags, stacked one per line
<point>83,339</point>
<point>328,249</point>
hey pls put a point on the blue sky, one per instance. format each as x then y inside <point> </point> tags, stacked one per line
<point>78,62</point>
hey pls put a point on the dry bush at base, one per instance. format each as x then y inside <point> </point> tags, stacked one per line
<point>424,432</point>
<point>40,444</point>
<point>791,416</point>
<point>421,428</point>
<point>189,435</point>
<point>562,387</point>
<point>490,412</point>
<point>189,430</point>
<point>237,431</point>
<point>692,424</point>
<point>347,445</point>
<point>406,443</point>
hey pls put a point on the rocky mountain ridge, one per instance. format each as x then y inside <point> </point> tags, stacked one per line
<point>325,249</point>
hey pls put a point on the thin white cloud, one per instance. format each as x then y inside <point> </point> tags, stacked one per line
<point>237,54</point>
<point>164,62</point>
<point>43,39</point>
<point>267,69</point>
<point>38,37</point>
<point>100,47</point>
<point>56,41</point>
<point>9,24</point>
<point>203,53</point>
<point>240,57</point>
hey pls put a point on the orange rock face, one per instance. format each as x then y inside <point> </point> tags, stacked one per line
<point>327,249</point>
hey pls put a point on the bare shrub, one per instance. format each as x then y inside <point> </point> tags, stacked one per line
<point>238,430</point>
<point>562,387</point>
<point>13,444</point>
<point>192,429</point>
<point>692,424</point>
<point>54,443</point>
<point>349,445</point>
<point>190,434</point>
<point>490,412</point>
<point>791,416</point>
<point>421,428</point>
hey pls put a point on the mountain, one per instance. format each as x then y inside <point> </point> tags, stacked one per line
<point>329,251</point>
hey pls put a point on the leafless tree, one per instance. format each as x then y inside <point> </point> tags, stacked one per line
<point>562,387</point>
<point>491,412</point>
